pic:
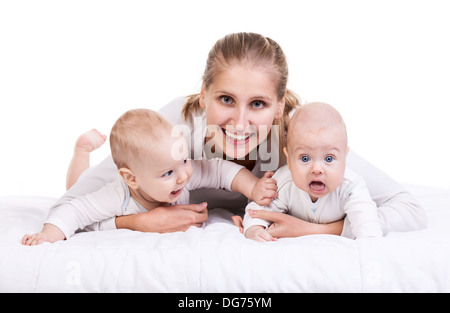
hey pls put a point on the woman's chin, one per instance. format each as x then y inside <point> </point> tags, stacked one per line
<point>248,152</point>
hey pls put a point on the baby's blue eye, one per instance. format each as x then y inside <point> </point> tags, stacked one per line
<point>305,158</point>
<point>167,174</point>
<point>184,162</point>
<point>329,159</point>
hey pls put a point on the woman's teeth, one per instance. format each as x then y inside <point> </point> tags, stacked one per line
<point>236,137</point>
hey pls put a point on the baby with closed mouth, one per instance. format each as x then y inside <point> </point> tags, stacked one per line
<point>316,185</point>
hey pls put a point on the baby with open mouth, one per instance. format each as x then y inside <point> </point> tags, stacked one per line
<point>316,185</point>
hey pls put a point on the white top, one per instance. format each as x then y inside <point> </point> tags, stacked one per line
<point>351,199</point>
<point>397,209</point>
<point>98,209</point>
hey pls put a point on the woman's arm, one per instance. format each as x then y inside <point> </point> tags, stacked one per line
<point>397,208</point>
<point>285,225</point>
<point>166,219</point>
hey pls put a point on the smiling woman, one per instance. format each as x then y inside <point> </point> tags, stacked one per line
<point>244,94</point>
<point>242,103</point>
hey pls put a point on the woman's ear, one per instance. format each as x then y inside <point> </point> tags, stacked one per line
<point>129,177</point>
<point>202,97</point>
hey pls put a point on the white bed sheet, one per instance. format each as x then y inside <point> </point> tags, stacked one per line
<point>217,258</point>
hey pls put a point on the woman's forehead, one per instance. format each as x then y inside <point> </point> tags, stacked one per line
<point>241,80</point>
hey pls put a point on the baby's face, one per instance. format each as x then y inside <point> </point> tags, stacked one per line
<point>317,160</point>
<point>167,171</point>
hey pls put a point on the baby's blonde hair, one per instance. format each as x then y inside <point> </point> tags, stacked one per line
<point>132,134</point>
<point>252,49</point>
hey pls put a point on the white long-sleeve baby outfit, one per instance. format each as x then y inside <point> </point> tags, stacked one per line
<point>351,199</point>
<point>97,210</point>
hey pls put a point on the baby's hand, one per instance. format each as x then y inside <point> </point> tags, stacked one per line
<point>265,190</point>
<point>36,239</point>
<point>259,233</point>
<point>50,233</point>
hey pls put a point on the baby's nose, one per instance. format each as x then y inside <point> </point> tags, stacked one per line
<point>317,168</point>
<point>182,177</point>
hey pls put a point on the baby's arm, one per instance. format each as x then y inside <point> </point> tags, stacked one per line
<point>361,212</point>
<point>49,233</point>
<point>231,176</point>
<point>65,219</point>
<point>261,190</point>
<point>256,228</point>
<point>258,233</point>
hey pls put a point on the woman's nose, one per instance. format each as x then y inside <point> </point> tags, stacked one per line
<point>240,119</point>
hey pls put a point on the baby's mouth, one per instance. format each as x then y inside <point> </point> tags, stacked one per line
<point>176,193</point>
<point>317,187</point>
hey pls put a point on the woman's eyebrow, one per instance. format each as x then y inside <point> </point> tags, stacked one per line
<point>225,92</point>
<point>266,98</point>
<point>259,97</point>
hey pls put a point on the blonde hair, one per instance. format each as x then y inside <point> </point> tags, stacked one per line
<point>254,49</point>
<point>133,132</point>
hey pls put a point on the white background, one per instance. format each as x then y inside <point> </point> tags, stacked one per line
<point>69,66</point>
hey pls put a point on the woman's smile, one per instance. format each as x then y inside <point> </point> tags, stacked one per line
<point>240,101</point>
<point>236,138</point>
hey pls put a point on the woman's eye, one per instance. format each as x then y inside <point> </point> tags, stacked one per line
<point>257,104</point>
<point>167,174</point>
<point>305,158</point>
<point>329,159</point>
<point>226,100</point>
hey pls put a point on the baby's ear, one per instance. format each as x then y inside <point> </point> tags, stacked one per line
<point>348,150</point>
<point>129,177</point>
<point>286,154</point>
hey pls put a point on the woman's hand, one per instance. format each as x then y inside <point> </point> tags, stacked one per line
<point>166,219</point>
<point>285,225</point>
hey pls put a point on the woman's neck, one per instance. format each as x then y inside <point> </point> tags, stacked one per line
<point>248,164</point>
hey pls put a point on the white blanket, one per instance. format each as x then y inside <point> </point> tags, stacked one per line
<point>217,258</point>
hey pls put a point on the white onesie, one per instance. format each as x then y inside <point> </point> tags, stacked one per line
<point>98,210</point>
<point>351,199</point>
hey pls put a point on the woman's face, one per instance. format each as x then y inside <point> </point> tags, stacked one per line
<point>241,105</point>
